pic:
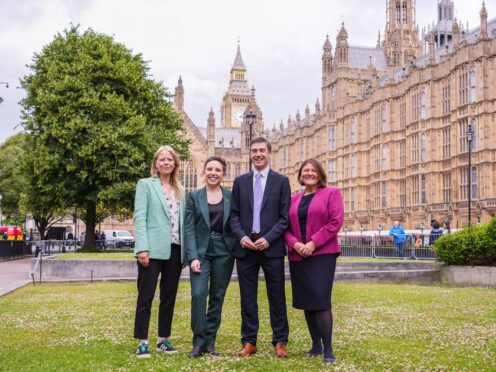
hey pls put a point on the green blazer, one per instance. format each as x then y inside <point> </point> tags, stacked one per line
<point>197,224</point>
<point>152,225</point>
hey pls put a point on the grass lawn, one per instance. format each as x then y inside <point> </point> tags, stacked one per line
<point>88,327</point>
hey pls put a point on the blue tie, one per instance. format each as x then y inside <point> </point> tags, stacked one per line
<point>257,202</point>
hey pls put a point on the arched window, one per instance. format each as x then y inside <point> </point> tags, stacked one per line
<point>398,13</point>
<point>405,13</point>
<point>473,84</point>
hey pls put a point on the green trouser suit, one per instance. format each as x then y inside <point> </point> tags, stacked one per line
<point>214,251</point>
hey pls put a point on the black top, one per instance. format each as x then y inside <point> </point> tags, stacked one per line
<point>216,212</point>
<point>302,215</point>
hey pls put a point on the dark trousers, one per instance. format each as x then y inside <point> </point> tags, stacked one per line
<point>248,268</point>
<point>170,271</point>
<point>212,281</point>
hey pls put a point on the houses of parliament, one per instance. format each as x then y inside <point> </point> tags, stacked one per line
<point>394,127</point>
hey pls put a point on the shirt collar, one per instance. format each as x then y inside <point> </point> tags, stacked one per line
<point>265,172</point>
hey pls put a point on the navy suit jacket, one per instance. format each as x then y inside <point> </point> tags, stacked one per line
<point>274,218</point>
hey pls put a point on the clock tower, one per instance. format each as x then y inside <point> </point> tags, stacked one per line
<point>237,97</point>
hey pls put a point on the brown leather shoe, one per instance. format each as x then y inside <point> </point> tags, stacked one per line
<point>247,350</point>
<point>281,351</point>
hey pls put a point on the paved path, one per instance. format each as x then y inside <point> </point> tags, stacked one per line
<point>14,274</point>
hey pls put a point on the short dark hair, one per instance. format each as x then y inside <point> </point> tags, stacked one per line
<point>436,225</point>
<point>262,140</point>
<point>216,158</point>
<point>320,172</point>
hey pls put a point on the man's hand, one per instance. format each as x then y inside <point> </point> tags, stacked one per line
<point>261,244</point>
<point>247,243</point>
<point>195,266</point>
<point>143,258</point>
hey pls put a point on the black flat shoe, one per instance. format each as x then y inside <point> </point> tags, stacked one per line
<point>313,353</point>
<point>196,352</point>
<point>329,359</point>
<point>210,349</point>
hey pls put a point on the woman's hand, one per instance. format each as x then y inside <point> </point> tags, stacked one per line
<point>308,249</point>
<point>143,258</point>
<point>298,247</point>
<point>195,266</point>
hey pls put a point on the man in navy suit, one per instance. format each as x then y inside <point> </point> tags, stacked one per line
<point>259,216</point>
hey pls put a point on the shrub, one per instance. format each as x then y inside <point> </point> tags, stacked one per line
<point>475,246</point>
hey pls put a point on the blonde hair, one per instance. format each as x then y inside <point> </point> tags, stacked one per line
<point>174,177</point>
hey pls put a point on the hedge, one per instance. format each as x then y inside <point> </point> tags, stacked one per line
<point>473,246</point>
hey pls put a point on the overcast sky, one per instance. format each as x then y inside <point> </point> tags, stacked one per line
<point>281,43</point>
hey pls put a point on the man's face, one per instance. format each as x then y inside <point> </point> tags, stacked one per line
<point>260,155</point>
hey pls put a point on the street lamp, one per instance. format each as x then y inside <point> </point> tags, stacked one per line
<point>470,137</point>
<point>250,120</point>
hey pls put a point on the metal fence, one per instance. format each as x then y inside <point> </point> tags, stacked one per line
<point>14,248</point>
<point>416,247</point>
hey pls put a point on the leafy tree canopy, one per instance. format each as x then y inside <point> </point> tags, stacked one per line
<point>11,180</point>
<point>94,118</point>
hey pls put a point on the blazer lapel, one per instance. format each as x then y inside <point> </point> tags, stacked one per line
<point>268,187</point>
<point>249,189</point>
<point>203,204</point>
<point>294,211</point>
<point>160,194</point>
<point>227,206</point>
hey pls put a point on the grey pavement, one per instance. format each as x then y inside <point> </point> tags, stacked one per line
<point>14,274</point>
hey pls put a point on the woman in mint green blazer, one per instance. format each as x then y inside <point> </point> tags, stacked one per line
<point>158,227</point>
<point>209,246</point>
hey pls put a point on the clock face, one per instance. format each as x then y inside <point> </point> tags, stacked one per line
<point>239,116</point>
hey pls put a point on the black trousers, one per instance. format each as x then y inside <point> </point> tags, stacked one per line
<point>248,268</point>
<point>170,271</point>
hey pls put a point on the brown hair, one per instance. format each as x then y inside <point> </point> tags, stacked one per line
<point>174,177</point>
<point>320,172</point>
<point>262,140</point>
<point>216,158</point>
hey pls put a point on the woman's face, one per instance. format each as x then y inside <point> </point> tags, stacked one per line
<point>309,175</point>
<point>165,163</point>
<point>213,173</point>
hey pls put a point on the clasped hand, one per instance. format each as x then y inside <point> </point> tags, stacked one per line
<point>259,245</point>
<point>305,250</point>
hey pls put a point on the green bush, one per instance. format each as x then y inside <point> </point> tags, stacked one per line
<point>474,246</point>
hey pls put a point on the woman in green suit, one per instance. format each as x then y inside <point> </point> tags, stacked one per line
<point>158,223</point>
<point>209,245</point>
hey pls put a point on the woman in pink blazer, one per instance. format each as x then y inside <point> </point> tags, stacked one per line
<point>315,218</point>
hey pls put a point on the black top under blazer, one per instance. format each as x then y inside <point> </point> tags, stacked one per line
<point>274,218</point>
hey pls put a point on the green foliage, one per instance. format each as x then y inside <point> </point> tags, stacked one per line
<point>475,245</point>
<point>11,180</point>
<point>377,327</point>
<point>94,118</point>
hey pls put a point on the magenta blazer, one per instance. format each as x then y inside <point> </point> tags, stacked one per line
<point>324,220</point>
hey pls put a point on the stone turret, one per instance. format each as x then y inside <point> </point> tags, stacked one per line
<point>342,47</point>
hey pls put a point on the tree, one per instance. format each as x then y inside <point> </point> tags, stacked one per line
<point>94,118</point>
<point>11,180</point>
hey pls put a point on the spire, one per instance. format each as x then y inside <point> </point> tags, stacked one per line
<point>378,39</point>
<point>327,57</point>
<point>179,95</point>
<point>211,129</point>
<point>327,44</point>
<point>483,21</point>
<point>238,61</point>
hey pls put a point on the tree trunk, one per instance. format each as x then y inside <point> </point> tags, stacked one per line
<point>41,224</point>
<point>89,241</point>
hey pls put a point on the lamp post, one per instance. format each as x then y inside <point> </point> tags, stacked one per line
<point>470,137</point>
<point>250,120</point>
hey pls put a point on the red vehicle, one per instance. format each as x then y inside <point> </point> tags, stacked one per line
<point>11,232</point>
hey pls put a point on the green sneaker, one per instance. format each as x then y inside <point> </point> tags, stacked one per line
<point>166,347</point>
<point>143,351</point>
